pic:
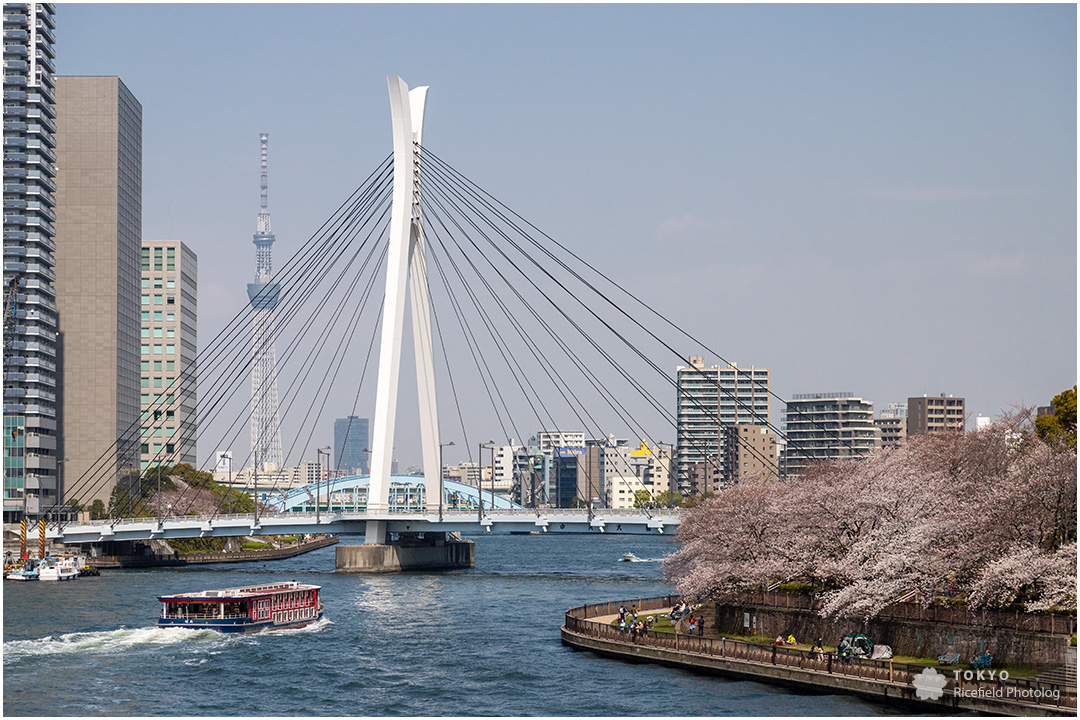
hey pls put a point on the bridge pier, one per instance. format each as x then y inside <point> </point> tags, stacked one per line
<point>408,551</point>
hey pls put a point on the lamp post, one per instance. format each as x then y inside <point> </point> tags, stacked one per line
<point>229,458</point>
<point>480,479</point>
<point>442,492</point>
<point>318,484</point>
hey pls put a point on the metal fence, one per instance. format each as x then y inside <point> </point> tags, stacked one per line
<point>1031,690</point>
<point>1016,620</point>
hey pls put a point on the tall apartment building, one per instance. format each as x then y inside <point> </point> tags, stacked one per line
<point>169,302</point>
<point>98,278</point>
<point>748,451</point>
<point>708,399</point>
<point>828,426</point>
<point>31,473</point>
<point>351,445</point>
<point>934,414</point>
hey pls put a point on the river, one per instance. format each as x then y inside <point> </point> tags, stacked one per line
<point>470,642</point>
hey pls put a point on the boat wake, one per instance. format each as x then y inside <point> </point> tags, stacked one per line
<point>104,643</point>
<point>317,626</point>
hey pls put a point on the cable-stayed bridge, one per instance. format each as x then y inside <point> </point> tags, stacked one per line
<point>547,339</point>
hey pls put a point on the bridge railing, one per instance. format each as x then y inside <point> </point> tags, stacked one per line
<point>1029,690</point>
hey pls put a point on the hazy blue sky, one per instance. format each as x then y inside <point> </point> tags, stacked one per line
<point>875,198</point>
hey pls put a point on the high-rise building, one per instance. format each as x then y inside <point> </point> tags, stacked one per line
<point>351,445</point>
<point>169,302</point>
<point>710,398</point>
<point>933,414</point>
<point>98,242</point>
<point>264,294</point>
<point>30,318</point>
<point>827,426</point>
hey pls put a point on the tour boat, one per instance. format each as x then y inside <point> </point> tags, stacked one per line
<point>58,568</point>
<point>244,609</point>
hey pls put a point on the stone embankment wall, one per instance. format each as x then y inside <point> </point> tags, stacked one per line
<point>1010,647</point>
<point>209,558</point>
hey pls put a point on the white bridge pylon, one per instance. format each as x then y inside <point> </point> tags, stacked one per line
<point>406,267</point>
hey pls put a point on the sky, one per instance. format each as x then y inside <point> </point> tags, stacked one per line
<point>878,199</point>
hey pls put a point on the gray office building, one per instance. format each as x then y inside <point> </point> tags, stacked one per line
<point>350,445</point>
<point>30,322</point>
<point>98,242</point>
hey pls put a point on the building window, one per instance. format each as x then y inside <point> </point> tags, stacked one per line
<point>157,299</point>
<point>157,432</point>
<point>145,349</point>
<point>170,332</point>
<point>157,316</point>
<point>145,448</point>
<point>144,399</point>
<point>171,300</point>
<point>157,332</point>
<point>146,258</point>
<point>170,283</point>
<point>145,299</point>
<point>169,448</point>
<point>146,332</point>
<point>170,365</point>
<point>146,382</point>
<point>157,382</point>
<point>157,349</point>
<point>146,316</point>
<point>145,366</point>
<point>171,317</point>
<point>145,283</point>
<point>157,283</point>
<point>170,349</point>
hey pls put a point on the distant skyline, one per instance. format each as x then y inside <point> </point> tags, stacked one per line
<point>877,198</point>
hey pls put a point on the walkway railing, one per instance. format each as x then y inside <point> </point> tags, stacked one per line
<point>1029,690</point>
<point>1032,622</point>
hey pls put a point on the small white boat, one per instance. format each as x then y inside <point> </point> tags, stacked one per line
<point>58,568</point>
<point>29,571</point>
<point>631,557</point>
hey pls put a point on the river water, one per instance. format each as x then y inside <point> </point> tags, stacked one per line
<point>470,642</point>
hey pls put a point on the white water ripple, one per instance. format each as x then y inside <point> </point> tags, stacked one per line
<point>105,643</point>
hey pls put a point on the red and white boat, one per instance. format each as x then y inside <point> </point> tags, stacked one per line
<point>248,609</point>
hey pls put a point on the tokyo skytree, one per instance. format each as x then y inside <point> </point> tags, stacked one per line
<point>263,294</point>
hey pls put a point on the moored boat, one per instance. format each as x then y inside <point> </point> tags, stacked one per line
<point>27,571</point>
<point>248,609</point>
<point>58,568</point>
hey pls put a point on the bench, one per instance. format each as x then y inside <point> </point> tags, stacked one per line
<point>953,659</point>
<point>981,662</point>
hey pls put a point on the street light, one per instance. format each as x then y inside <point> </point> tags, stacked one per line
<point>322,451</point>
<point>442,492</point>
<point>480,479</point>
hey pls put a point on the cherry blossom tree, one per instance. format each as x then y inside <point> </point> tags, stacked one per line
<point>987,516</point>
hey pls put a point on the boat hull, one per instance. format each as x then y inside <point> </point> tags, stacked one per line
<point>235,625</point>
<point>21,577</point>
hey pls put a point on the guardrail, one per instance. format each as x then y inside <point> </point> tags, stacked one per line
<point>1031,690</point>
<point>1047,623</point>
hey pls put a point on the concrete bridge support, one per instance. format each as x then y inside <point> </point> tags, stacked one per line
<point>409,551</point>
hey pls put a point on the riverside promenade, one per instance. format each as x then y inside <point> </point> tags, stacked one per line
<point>920,689</point>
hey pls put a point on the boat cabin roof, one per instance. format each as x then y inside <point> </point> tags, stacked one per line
<point>238,593</point>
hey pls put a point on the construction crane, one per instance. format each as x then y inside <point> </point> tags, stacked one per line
<point>9,308</point>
